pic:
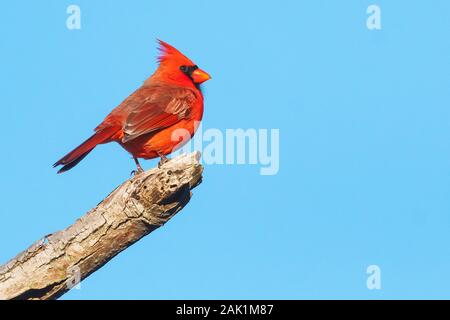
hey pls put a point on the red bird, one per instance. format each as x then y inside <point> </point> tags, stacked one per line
<point>144,123</point>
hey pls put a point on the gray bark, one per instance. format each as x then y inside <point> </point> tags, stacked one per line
<point>52,265</point>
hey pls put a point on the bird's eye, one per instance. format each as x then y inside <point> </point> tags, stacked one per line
<point>184,69</point>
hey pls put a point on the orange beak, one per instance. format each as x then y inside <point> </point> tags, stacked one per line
<point>200,76</point>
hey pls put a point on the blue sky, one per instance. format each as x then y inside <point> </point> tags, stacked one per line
<point>364,124</point>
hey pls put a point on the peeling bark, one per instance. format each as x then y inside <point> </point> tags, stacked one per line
<point>140,205</point>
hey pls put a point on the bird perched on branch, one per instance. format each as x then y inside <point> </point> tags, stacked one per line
<point>170,101</point>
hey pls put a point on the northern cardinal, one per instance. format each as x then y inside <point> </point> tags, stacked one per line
<point>143,124</point>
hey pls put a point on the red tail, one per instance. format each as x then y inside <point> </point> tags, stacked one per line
<point>71,159</point>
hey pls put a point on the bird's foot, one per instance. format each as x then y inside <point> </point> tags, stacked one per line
<point>163,160</point>
<point>136,172</point>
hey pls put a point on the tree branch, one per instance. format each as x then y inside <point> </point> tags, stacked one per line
<point>51,266</point>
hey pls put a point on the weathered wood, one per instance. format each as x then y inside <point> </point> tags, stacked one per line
<point>46,270</point>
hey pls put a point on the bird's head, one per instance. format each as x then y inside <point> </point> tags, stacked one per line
<point>177,68</point>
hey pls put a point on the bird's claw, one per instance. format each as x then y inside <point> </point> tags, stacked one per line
<point>136,172</point>
<point>162,161</point>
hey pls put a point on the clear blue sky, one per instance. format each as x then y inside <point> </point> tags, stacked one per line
<point>364,119</point>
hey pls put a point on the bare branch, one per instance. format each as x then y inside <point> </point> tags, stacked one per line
<point>49,267</point>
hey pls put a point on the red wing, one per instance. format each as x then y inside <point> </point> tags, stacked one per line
<point>161,108</point>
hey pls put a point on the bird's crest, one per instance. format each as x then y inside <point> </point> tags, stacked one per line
<point>169,53</point>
